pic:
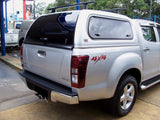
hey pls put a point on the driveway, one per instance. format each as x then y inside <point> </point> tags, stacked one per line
<point>13,92</point>
<point>147,107</point>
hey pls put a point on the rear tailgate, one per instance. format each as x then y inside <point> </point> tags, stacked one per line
<point>11,38</point>
<point>47,48</point>
<point>50,63</point>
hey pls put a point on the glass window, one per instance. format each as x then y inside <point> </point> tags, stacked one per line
<point>102,28</point>
<point>54,29</point>
<point>68,20</point>
<point>148,33</point>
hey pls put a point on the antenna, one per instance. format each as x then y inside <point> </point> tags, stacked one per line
<point>85,6</point>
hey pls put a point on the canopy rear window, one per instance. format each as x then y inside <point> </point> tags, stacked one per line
<point>53,29</point>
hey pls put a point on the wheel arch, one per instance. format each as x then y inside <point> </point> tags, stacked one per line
<point>128,63</point>
<point>133,72</point>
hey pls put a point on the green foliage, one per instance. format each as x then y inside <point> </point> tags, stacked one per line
<point>138,8</point>
<point>67,2</point>
<point>156,9</point>
<point>39,8</point>
<point>51,5</point>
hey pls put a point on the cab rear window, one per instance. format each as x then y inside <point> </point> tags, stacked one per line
<point>53,29</point>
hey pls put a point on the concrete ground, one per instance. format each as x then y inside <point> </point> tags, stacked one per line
<point>147,107</point>
<point>13,91</point>
<point>14,52</point>
<point>143,110</point>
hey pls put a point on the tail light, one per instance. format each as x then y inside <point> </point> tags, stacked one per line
<point>21,55</point>
<point>78,70</point>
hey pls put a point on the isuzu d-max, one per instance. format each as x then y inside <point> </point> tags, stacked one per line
<point>86,55</point>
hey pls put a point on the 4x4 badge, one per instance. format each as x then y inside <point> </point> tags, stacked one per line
<point>98,58</point>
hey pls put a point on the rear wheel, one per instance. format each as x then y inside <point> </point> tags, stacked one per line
<point>125,96</point>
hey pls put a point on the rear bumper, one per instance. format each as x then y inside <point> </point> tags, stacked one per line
<point>56,96</point>
<point>11,44</point>
<point>53,91</point>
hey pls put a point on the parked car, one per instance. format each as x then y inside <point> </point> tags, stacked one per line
<point>23,29</point>
<point>11,39</point>
<point>86,55</point>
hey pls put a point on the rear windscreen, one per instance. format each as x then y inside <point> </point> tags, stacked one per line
<point>54,29</point>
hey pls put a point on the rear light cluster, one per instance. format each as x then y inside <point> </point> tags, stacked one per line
<point>21,55</point>
<point>78,70</point>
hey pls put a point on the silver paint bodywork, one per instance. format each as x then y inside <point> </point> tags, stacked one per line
<point>103,76</point>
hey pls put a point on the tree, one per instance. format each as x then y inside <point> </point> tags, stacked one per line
<point>39,9</point>
<point>51,5</point>
<point>138,8</point>
<point>156,9</point>
<point>59,3</point>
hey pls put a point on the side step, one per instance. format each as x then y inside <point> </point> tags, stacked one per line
<point>148,83</point>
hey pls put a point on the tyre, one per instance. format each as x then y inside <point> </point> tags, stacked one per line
<point>125,96</point>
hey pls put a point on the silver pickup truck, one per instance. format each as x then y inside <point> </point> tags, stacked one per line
<point>86,55</point>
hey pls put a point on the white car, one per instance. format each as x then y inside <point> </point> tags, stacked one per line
<point>11,39</point>
<point>23,30</point>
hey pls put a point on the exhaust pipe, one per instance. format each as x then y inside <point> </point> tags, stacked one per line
<point>41,97</point>
<point>46,100</point>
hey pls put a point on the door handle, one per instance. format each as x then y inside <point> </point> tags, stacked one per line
<point>146,49</point>
<point>41,53</point>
